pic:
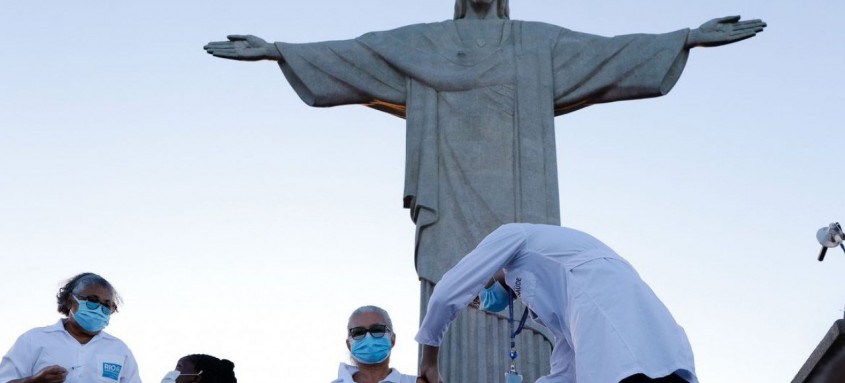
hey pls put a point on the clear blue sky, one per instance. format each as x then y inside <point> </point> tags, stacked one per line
<point>239,222</point>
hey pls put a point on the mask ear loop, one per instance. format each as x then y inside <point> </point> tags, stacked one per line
<point>513,353</point>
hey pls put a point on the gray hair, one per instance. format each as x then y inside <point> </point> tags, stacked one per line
<point>372,309</point>
<point>79,283</point>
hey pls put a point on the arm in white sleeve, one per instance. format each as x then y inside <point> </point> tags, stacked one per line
<point>462,283</point>
<point>17,363</point>
<point>131,366</point>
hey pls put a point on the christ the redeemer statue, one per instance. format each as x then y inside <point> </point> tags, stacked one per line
<point>479,95</point>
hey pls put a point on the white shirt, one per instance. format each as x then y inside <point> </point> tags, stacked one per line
<point>345,372</point>
<point>103,359</point>
<point>606,321</point>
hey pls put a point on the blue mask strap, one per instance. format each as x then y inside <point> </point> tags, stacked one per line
<point>513,354</point>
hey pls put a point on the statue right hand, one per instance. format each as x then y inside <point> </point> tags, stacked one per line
<point>244,48</point>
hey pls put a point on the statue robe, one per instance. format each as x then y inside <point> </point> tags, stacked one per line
<point>480,112</point>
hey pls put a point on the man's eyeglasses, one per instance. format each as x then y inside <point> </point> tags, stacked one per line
<point>376,330</point>
<point>92,302</point>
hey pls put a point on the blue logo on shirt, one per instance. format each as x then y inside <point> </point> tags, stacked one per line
<point>111,371</point>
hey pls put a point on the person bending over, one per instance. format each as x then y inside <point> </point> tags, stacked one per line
<point>608,325</point>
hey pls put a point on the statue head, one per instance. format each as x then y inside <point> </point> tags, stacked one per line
<point>461,6</point>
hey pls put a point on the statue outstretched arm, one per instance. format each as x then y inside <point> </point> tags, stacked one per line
<point>724,30</point>
<point>244,48</point>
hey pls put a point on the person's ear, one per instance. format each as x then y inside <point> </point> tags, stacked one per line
<point>392,339</point>
<point>70,303</point>
<point>348,346</point>
<point>500,276</point>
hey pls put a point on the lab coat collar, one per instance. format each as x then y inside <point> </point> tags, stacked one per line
<point>60,327</point>
<point>345,372</point>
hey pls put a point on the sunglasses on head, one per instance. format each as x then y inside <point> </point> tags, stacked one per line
<point>376,330</point>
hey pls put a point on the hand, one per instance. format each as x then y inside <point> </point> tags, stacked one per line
<point>50,374</point>
<point>244,48</point>
<point>724,30</point>
<point>429,373</point>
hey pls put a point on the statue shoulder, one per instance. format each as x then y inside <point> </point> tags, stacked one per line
<point>538,28</point>
<point>414,30</point>
<point>411,34</point>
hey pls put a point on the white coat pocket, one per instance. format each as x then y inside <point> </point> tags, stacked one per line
<point>110,367</point>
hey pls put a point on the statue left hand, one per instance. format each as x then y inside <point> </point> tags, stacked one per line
<point>724,30</point>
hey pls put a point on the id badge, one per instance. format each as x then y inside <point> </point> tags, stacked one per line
<point>512,377</point>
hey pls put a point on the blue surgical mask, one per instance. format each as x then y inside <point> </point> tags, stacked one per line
<point>371,350</point>
<point>92,320</point>
<point>173,375</point>
<point>495,298</point>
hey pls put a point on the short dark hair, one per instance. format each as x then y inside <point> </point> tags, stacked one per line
<point>502,9</point>
<point>79,282</point>
<point>214,370</point>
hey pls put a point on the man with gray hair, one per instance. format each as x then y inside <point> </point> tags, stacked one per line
<point>370,339</point>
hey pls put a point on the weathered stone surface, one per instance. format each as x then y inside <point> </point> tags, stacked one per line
<point>827,362</point>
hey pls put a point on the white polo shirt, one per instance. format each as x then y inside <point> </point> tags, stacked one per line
<point>607,323</point>
<point>345,372</point>
<point>103,359</point>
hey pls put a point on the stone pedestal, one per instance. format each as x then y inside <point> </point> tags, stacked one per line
<point>827,362</point>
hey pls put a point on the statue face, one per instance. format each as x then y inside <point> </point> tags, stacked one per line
<point>461,7</point>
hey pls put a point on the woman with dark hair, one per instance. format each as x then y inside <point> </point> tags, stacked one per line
<point>75,349</point>
<point>202,368</point>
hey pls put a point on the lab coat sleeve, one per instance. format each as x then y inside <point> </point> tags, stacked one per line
<point>18,362</point>
<point>131,375</point>
<point>464,281</point>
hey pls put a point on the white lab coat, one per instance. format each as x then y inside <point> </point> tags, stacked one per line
<point>103,359</point>
<point>607,322</point>
<point>345,373</point>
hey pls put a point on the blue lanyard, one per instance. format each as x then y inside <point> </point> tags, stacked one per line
<point>513,354</point>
